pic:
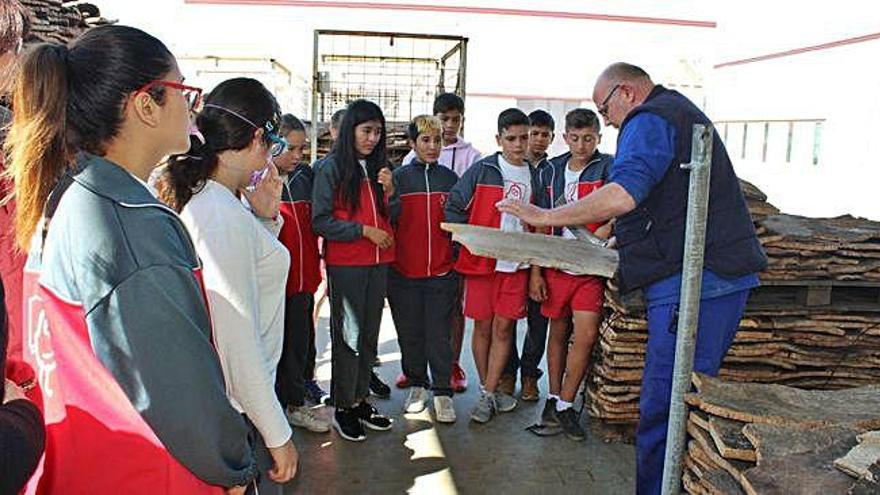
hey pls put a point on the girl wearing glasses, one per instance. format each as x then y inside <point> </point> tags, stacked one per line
<point>349,210</point>
<point>245,264</point>
<point>118,330</point>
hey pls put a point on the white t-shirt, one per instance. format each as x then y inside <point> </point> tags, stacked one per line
<point>245,272</point>
<point>518,186</point>
<point>571,192</point>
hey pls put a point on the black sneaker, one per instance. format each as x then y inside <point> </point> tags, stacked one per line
<point>571,424</point>
<point>378,387</point>
<point>348,425</point>
<point>371,418</point>
<point>548,416</point>
<point>315,393</point>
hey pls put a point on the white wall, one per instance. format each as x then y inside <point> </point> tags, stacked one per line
<point>840,85</point>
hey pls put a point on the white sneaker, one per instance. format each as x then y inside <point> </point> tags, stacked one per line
<point>305,417</point>
<point>505,403</point>
<point>415,401</point>
<point>444,411</point>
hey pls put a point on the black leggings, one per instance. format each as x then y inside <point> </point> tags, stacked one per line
<point>357,297</point>
<point>298,353</point>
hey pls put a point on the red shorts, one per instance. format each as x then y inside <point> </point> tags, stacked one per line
<point>567,293</point>
<point>502,294</point>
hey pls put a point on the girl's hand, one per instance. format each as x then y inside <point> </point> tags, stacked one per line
<point>12,392</point>
<point>386,179</point>
<point>286,459</point>
<point>265,200</point>
<point>378,237</point>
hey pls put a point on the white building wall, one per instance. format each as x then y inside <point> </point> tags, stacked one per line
<point>512,59</point>
<point>840,85</point>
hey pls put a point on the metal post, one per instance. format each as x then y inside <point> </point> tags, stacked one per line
<point>315,81</point>
<point>689,305</point>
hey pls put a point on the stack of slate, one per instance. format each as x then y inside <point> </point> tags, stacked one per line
<point>842,248</point>
<point>771,439</point>
<point>60,22</point>
<point>781,339</point>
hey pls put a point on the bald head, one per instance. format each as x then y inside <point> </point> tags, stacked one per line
<point>622,71</point>
<point>620,88</point>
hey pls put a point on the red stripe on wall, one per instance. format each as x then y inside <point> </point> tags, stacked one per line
<point>338,4</point>
<point>798,51</point>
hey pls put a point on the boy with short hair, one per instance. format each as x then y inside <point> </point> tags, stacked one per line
<point>422,287</point>
<point>571,298</point>
<point>296,369</point>
<point>495,290</point>
<point>458,155</point>
<point>541,134</point>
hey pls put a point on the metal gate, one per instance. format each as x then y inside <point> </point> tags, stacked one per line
<point>402,73</point>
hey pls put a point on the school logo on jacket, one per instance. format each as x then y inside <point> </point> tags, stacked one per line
<point>39,346</point>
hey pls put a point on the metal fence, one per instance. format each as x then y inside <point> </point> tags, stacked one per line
<point>400,72</point>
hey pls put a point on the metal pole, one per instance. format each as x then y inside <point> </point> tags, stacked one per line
<point>689,305</point>
<point>315,80</point>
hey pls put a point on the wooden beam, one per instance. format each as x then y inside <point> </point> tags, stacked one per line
<point>581,258</point>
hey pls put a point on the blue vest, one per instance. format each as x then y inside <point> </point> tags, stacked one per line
<point>651,237</point>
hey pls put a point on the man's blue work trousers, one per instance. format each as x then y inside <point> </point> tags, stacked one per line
<point>719,319</point>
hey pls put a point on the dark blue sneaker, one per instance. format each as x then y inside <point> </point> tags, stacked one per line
<point>315,393</point>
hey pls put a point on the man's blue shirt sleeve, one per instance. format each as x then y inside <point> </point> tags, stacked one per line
<point>645,151</point>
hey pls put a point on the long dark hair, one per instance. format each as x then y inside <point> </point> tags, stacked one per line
<point>358,112</point>
<point>222,130</point>
<point>69,99</point>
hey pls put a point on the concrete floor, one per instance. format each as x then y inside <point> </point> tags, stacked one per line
<point>423,457</point>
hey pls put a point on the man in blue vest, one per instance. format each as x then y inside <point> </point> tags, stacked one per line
<point>647,192</point>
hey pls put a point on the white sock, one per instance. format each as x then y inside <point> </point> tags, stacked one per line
<point>562,405</point>
<point>552,396</point>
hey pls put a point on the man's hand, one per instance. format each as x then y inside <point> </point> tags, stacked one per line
<point>286,458</point>
<point>385,178</point>
<point>236,490</point>
<point>265,200</point>
<point>527,212</point>
<point>378,237</point>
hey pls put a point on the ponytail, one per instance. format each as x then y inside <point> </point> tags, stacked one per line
<point>37,144</point>
<point>185,175</point>
<point>68,100</point>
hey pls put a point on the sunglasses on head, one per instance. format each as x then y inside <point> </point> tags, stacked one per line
<point>277,144</point>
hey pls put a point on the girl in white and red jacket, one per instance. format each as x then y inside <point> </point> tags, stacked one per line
<point>349,210</point>
<point>297,365</point>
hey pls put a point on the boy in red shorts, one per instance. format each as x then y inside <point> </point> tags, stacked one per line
<point>574,302</point>
<point>495,291</point>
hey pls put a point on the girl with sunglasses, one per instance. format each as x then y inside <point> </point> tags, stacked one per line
<point>349,210</point>
<point>245,263</point>
<point>133,395</point>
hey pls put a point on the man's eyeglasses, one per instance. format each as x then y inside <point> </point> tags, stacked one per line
<point>192,94</point>
<point>277,144</point>
<point>603,107</point>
